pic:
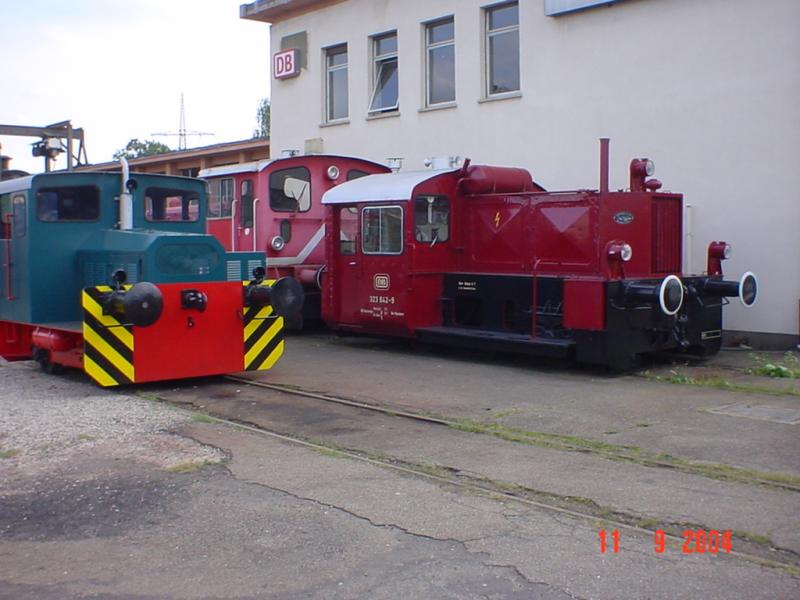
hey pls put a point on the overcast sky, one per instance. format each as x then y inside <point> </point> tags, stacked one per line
<point>117,68</point>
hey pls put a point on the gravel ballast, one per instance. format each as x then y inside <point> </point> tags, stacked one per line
<point>46,420</point>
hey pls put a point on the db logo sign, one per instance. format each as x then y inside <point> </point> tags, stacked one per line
<point>286,64</point>
<point>381,281</point>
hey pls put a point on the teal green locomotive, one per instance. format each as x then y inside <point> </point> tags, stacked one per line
<point>115,275</point>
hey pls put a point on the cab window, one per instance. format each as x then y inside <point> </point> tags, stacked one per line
<point>431,219</point>
<point>290,190</point>
<point>348,228</point>
<point>68,203</point>
<point>382,230</point>
<point>167,204</point>
<point>246,198</point>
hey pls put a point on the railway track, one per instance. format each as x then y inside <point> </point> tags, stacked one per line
<point>763,556</point>
<point>559,442</point>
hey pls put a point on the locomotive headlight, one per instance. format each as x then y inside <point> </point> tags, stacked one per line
<point>277,243</point>
<point>333,172</point>
<point>649,167</point>
<point>620,251</point>
<point>719,250</point>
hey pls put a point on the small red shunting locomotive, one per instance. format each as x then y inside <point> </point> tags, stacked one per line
<point>484,256</point>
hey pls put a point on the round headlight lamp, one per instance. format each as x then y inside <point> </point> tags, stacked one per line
<point>333,172</point>
<point>649,167</point>
<point>626,252</point>
<point>277,243</point>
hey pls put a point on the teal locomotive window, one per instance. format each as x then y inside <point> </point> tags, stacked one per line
<point>290,190</point>
<point>68,203</point>
<point>382,230</point>
<point>431,219</point>
<point>186,259</point>
<point>166,204</point>
<point>20,216</point>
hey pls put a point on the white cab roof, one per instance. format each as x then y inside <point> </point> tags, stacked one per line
<point>250,167</point>
<point>381,187</point>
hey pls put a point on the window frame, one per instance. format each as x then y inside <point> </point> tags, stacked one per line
<point>188,194</point>
<point>52,188</point>
<point>431,46</point>
<point>247,203</point>
<point>488,34</point>
<point>436,198</point>
<point>402,230</point>
<point>328,52</point>
<point>310,190</point>
<point>378,63</point>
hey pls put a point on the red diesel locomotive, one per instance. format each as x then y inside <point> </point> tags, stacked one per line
<point>483,256</point>
<point>273,206</point>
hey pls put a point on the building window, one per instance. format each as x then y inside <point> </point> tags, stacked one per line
<point>336,99</point>
<point>382,230</point>
<point>385,87</point>
<point>440,62</point>
<point>502,48</point>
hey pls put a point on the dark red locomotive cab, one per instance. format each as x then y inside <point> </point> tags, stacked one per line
<point>484,256</point>
<point>273,206</point>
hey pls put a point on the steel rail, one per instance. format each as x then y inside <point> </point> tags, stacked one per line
<point>565,446</point>
<point>495,492</point>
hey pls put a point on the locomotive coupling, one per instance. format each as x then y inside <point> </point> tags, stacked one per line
<point>141,305</point>
<point>285,296</point>
<point>668,294</point>
<point>746,288</point>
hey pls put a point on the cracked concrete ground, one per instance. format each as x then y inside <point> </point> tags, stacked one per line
<point>283,521</point>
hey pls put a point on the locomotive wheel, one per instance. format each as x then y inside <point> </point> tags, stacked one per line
<point>42,357</point>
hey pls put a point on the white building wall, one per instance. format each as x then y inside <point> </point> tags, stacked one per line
<point>708,89</point>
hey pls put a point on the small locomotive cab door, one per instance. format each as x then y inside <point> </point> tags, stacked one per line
<point>384,270</point>
<point>13,226</point>
<point>348,265</point>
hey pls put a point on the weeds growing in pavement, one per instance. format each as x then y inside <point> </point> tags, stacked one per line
<point>786,368</point>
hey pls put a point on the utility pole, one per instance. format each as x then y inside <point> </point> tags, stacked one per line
<point>182,132</point>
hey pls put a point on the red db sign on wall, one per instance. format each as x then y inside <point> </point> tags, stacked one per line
<point>286,64</point>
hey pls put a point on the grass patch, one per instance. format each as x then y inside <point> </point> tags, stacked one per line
<point>10,453</point>
<point>723,384</point>
<point>330,452</point>
<point>85,437</point>
<point>148,396</point>
<point>199,417</point>
<point>191,466</point>
<point>633,454</point>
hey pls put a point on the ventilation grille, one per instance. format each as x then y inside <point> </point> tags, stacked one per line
<point>667,235</point>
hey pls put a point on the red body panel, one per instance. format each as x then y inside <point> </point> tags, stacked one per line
<point>584,304</point>
<point>188,343</point>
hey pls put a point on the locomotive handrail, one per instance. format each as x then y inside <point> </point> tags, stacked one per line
<point>233,224</point>
<point>255,223</point>
<point>8,263</point>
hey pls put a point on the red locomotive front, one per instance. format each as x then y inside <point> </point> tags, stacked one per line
<point>484,256</point>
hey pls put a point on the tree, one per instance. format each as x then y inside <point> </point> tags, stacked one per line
<point>137,148</point>
<point>262,119</point>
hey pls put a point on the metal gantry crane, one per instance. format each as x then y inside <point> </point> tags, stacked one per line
<point>56,138</point>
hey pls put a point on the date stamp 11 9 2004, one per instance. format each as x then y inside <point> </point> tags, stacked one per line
<point>695,541</point>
